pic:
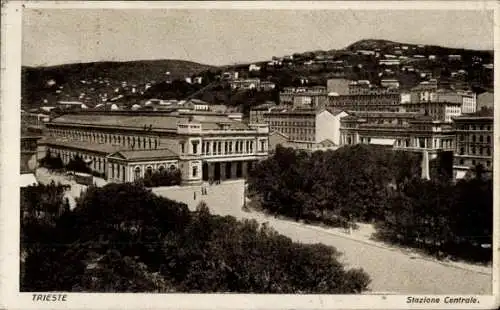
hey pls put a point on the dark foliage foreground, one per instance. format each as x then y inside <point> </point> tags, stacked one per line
<point>369,184</point>
<point>123,238</point>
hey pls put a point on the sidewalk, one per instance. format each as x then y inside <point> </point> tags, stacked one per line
<point>364,235</point>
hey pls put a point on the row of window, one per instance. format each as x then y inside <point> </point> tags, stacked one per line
<point>292,123</point>
<point>96,163</point>
<point>229,147</point>
<point>474,127</point>
<point>130,141</point>
<point>477,151</point>
<point>474,162</point>
<point>478,138</point>
<point>138,171</point>
<point>294,130</point>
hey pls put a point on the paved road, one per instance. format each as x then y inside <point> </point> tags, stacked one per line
<point>391,271</point>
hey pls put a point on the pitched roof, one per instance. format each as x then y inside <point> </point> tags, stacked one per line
<point>157,122</point>
<point>145,154</point>
<point>82,145</point>
<point>278,134</point>
<point>116,120</point>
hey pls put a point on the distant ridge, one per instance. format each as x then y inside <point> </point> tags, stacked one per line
<point>383,44</point>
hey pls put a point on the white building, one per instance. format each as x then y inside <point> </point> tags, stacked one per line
<point>253,67</point>
<point>203,147</point>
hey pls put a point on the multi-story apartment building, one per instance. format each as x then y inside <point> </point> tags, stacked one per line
<point>252,83</point>
<point>363,96</point>
<point>126,146</point>
<point>442,111</point>
<point>400,131</point>
<point>312,97</point>
<point>359,87</point>
<point>307,127</point>
<point>474,143</point>
<point>257,113</point>
<point>388,101</point>
<point>438,103</point>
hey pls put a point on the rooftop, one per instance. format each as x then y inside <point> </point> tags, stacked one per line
<point>82,145</point>
<point>155,121</point>
<point>146,154</point>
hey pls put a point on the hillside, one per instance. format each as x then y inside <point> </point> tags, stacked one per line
<point>95,83</point>
<point>68,82</point>
<point>385,45</point>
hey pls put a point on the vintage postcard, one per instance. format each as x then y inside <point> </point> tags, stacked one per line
<point>249,155</point>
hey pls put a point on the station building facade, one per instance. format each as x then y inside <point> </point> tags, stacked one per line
<point>126,146</point>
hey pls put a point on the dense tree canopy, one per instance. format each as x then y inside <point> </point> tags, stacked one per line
<point>297,184</point>
<point>162,178</point>
<point>123,238</point>
<point>366,183</point>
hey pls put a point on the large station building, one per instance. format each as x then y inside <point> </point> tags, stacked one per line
<point>127,146</point>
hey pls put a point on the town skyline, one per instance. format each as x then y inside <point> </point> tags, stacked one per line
<point>59,37</point>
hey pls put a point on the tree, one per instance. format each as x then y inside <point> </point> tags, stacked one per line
<point>77,164</point>
<point>123,238</point>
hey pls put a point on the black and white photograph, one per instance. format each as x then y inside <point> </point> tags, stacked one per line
<point>217,148</point>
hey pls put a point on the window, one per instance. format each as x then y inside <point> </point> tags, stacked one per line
<point>214,147</point>
<point>473,150</point>
<point>488,151</point>
<point>182,147</point>
<point>172,167</point>
<point>194,144</point>
<point>488,139</point>
<point>161,168</point>
<point>462,138</point>
<point>195,171</point>
<point>461,161</point>
<point>473,138</point>
<point>203,147</point>
<point>137,173</point>
<point>149,171</point>
<point>219,147</point>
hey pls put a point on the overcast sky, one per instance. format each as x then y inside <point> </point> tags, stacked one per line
<point>218,37</point>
